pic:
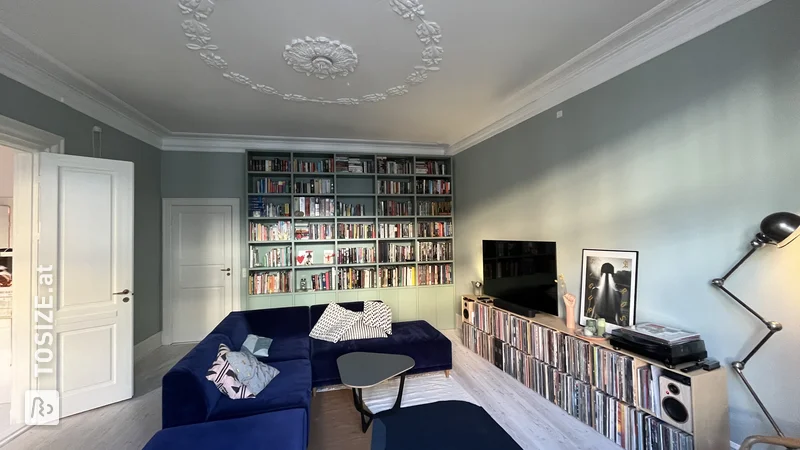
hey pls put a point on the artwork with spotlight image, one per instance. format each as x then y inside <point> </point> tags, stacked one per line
<point>608,287</point>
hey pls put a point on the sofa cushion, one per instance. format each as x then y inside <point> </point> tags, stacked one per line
<point>430,349</point>
<point>285,430</point>
<point>288,348</point>
<point>378,315</point>
<point>360,330</point>
<point>290,389</point>
<point>275,323</point>
<point>333,323</point>
<point>316,311</point>
<point>225,377</point>
<point>186,395</point>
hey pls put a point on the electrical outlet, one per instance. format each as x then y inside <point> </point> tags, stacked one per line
<point>559,114</point>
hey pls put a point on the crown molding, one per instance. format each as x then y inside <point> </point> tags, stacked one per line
<point>232,143</point>
<point>25,63</point>
<point>668,25</point>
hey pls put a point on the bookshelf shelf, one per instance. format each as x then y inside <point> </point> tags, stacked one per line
<point>601,386</point>
<point>356,185</point>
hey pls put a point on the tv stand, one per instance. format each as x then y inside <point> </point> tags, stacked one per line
<point>514,308</point>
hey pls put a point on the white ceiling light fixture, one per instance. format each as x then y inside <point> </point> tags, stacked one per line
<point>320,57</point>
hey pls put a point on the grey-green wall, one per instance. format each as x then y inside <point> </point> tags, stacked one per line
<point>679,159</point>
<point>26,105</point>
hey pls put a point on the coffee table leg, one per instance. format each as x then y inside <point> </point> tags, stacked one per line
<point>358,400</point>
<point>400,392</point>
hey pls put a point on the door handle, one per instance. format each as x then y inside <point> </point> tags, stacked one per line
<point>225,270</point>
<point>124,292</point>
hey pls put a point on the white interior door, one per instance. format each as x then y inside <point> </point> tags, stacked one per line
<point>86,235</point>
<point>199,260</point>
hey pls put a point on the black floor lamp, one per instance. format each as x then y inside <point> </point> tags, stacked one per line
<point>777,229</point>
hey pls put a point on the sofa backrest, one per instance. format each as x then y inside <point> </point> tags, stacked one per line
<point>317,310</point>
<point>187,396</point>
<point>271,323</point>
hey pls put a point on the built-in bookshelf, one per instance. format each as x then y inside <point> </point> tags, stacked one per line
<point>613,391</point>
<point>354,226</point>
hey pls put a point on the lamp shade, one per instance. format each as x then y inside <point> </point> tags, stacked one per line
<point>781,228</point>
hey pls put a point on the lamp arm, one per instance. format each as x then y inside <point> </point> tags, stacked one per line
<point>773,327</point>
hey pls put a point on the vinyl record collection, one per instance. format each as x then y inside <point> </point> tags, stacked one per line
<point>477,341</point>
<point>592,383</point>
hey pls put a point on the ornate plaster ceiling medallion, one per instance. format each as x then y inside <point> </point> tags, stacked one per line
<point>321,57</point>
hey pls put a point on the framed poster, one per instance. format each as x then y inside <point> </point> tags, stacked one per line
<point>5,283</point>
<point>608,287</point>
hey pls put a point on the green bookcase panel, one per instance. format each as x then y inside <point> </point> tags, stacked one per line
<point>407,304</point>
<point>391,298</point>
<point>323,298</point>
<point>304,299</point>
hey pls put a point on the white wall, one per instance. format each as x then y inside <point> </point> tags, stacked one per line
<point>679,159</point>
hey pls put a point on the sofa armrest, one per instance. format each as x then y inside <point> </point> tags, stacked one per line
<point>187,397</point>
<point>278,322</point>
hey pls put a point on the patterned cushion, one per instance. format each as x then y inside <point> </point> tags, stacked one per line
<point>378,315</point>
<point>257,345</point>
<point>360,330</point>
<point>251,372</point>
<point>335,321</point>
<point>224,376</point>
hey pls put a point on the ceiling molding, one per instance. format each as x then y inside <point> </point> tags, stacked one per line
<point>229,143</point>
<point>668,25</point>
<point>25,63</point>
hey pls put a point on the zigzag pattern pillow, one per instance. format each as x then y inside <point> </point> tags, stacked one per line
<point>333,323</point>
<point>224,376</point>
<point>360,330</point>
<point>378,315</point>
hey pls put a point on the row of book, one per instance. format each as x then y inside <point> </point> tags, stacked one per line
<point>269,165</point>
<point>394,166</point>
<point>434,208</point>
<point>633,429</point>
<point>272,257</point>
<point>325,165</point>
<point>353,278</point>
<point>435,274</point>
<point>322,281</point>
<point>395,187</point>
<point>399,276</point>
<point>259,207</point>
<point>269,186</point>
<point>578,358</point>
<point>313,231</point>
<point>511,329</point>
<point>431,168</point>
<point>477,341</point>
<point>354,165</point>
<point>315,186</point>
<point>395,208</point>
<point>434,187</point>
<point>436,251</point>
<point>356,231</point>
<point>395,230</point>
<point>269,282</point>
<point>393,253</point>
<point>278,231</point>
<point>613,373</point>
<point>355,255</point>
<point>351,209</point>
<point>434,229</point>
<point>314,207</point>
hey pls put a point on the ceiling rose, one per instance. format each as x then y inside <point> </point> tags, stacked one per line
<point>321,57</point>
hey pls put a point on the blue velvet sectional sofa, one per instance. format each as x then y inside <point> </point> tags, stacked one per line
<point>196,415</point>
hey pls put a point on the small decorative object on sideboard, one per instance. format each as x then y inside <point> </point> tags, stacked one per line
<point>477,287</point>
<point>303,284</point>
<point>608,287</point>
<point>569,303</point>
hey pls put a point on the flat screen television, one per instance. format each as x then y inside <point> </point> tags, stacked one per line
<point>522,275</point>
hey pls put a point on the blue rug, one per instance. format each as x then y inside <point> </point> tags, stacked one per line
<point>444,425</point>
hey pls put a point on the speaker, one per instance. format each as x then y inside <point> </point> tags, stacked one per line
<point>676,403</point>
<point>468,310</point>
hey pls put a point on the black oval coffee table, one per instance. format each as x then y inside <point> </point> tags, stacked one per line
<point>359,370</point>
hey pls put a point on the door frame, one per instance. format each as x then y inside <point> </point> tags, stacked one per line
<point>166,260</point>
<point>31,141</point>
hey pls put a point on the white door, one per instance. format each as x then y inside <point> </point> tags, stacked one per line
<point>86,244</point>
<point>199,264</point>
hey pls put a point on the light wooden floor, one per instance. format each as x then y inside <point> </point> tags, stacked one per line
<point>532,421</point>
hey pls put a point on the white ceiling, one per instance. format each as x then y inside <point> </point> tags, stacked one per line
<point>492,50</point>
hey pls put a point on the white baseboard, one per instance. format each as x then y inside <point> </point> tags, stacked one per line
<point>145,347</point>
<point>14,435</point>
